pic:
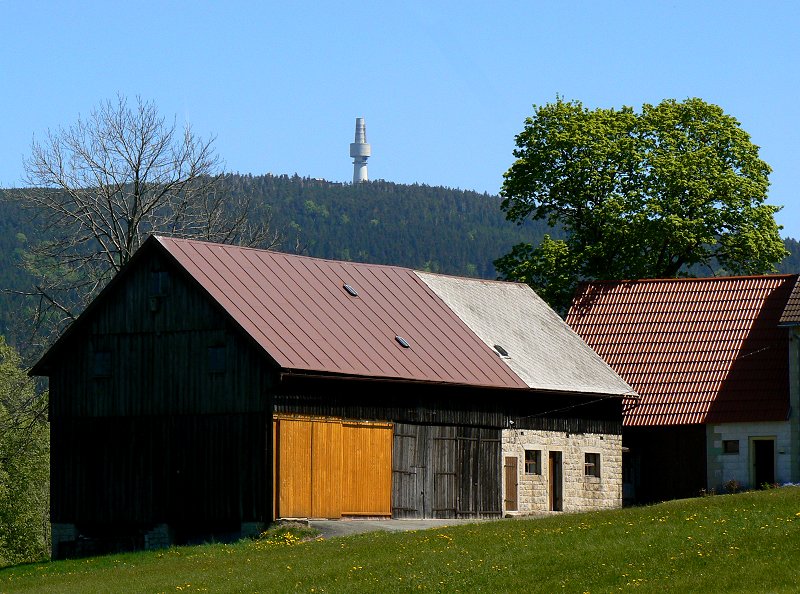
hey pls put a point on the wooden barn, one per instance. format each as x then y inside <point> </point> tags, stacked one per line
<point>211,389</point>
<point>716,364</point>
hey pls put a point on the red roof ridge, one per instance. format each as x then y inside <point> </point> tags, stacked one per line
<point>473,279</point>
<point>161,238</point>
<point>690,279</point>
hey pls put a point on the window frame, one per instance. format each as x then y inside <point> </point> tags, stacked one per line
<point>592,464</point>
<point>217,359</point>
<point>728,447</point>
<point>532,467</point>
<point>102,364</point>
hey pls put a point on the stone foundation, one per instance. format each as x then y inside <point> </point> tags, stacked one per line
<point>160,537</point>
<point>61,533</point>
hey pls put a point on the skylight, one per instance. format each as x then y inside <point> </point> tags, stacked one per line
<point>501,351</point>
<point>350,290</point>
<point>403,342</point>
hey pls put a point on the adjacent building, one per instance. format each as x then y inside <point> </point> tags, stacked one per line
<point>716,364</point>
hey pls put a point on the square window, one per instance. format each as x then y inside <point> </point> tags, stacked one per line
<point>591,466</point>
<point>101,364</point>
<point>533,461</point>
<point>730,446</point>
<point>159,283</point>
<point>216,359</point>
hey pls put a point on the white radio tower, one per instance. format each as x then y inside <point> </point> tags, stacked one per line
<point>360,151</point>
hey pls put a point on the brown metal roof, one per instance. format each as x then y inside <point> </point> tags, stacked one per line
<point>791,313</point>
<point>297,310</point>
<point>695,350</point>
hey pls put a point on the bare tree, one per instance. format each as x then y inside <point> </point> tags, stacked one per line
<point>101,186</point>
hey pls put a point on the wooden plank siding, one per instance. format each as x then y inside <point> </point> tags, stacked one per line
<point>159,359</point>
<point>160,436</point>
<point>447,405</point>
<point>144,470</point>
<point>367,469</point>
<point>445,472</point>
<point>328,468</point>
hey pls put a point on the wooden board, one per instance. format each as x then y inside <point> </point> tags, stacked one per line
<point>367,469</point>
<point>294,468</point>
<point>326,469</point>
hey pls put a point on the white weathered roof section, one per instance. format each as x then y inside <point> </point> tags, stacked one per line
<point>542,349</point>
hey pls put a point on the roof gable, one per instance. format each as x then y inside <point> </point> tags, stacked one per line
<point>695,350</point>
<point>791,313</point>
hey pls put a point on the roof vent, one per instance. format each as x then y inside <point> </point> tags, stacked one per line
<point>350,290</point>
<point>501,351</point>
<point>403,342</point>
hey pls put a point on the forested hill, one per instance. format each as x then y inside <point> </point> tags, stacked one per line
<point>423,227</point>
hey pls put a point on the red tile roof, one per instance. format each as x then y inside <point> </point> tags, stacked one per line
<point>695,350</point>
<point>297,310</point>
<point>791,313</point>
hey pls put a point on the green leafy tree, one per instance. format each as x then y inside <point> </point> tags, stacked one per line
<point>675,187</point>
<point>24,464</point>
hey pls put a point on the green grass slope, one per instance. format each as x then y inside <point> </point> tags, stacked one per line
<point>748,542</point>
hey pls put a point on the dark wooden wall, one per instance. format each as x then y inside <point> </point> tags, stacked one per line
<point>162,437</point>
<point>445,472</point>
<point>448,405</point>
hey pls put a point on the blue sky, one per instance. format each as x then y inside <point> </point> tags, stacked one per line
<point>444,86</point>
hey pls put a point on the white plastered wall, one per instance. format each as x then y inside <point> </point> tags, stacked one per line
<point>737,467</point>
<point>724,467</point>
<point>580,492</point>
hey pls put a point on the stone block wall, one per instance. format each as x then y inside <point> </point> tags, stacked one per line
<point>579,491</point>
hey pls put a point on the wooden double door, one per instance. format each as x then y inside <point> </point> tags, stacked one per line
<point>329,468</point>
<point>445,472</point>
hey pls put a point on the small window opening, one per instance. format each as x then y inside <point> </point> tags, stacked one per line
<point>351,290</point>
<point>159,283</point>
<point>501,351</point>
<point>533,461</point>
<point>101,364</point>
<point>592,465</point>
<point>216,359</point>
<point>730,446</point>
<point>403,342</point>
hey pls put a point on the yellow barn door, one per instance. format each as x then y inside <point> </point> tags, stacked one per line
<point>367,469</point>
<point>326,468</point>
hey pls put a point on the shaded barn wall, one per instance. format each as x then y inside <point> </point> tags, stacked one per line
<point>148,426</point>
<point>445,472</point>
<point>405,402</point>
<point>666,462</point>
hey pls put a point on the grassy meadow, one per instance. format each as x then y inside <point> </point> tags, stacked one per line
<point>749,542</point>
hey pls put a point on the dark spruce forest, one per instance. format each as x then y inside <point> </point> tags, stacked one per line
<point>424,227</point>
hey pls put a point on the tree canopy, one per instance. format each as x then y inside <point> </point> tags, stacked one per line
<point>660,193</point>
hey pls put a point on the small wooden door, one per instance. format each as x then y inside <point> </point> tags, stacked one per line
<point>511,483</point>
<point>555,475</point>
